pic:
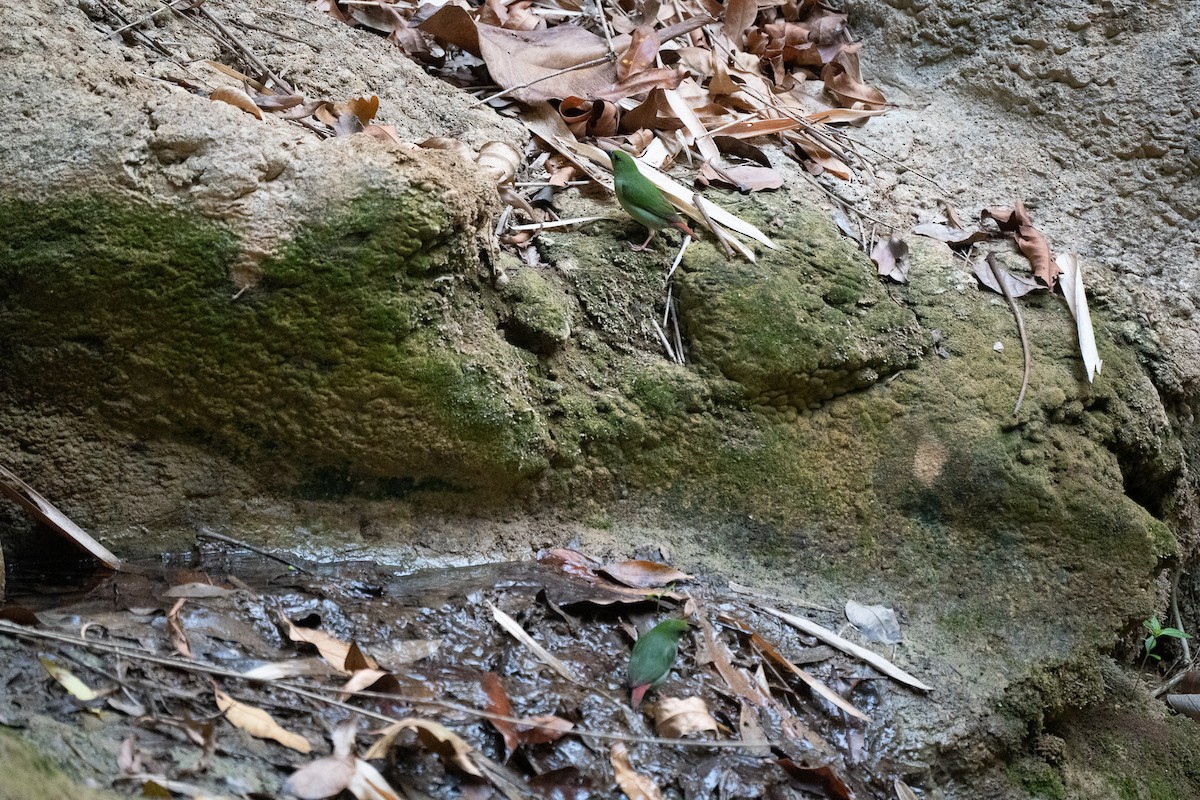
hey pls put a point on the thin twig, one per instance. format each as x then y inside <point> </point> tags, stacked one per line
<point>1177,618</point>
<point>1016,310</point>
<point>220,537</point>
<point>148,17</point>
<point>278,34</point>
<point>605,27</point>
<point>245,51</point>
<point>662,337</point>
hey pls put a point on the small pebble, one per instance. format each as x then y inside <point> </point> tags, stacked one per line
<point>998,347</point>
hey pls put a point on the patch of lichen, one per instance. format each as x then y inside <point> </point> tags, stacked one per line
<point>539,315</point>
<point>346,358</point>
<point>26,774</point>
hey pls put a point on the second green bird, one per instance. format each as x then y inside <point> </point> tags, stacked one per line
<point>653,656</point>
<point>642,199</point>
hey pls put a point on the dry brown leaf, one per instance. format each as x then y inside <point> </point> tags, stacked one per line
<point>641,54</point>
<point>847,90</point>
<point>236,98</point>
<point>891,258</point>
<point>589,117</point>
<point>499,161</point>
<point>515,58</point>
<point>179,638</point>
<point>1018,285</point>
<point>42,510</point>
<point>744,178</point>
<point>74,686</point>
<point>676,717</point>
<point>643,574</point>
<point>739,16</point>
<point>634,785</point>
<point>544,729</point>
<point>498,703</point>
<point>903,792</point>
<point>1030,240</point>
<point>259,723</point>
<point>521,635</point>
<point>322,778</point>
<point>331,649</point>
<point>446,743</point>
<point>955,237</point>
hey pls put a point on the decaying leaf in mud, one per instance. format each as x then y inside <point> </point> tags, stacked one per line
<point>259,723</point>
<point>449,746</point>
<point>891,258</point>
<point>236,98</point>
<point>197,591</point>
<point>1017,285</point>
<point>74,686</point>
<point>643,574</point>
<point>635,785</point>
<point>675,717</point>
<point>498,703</point>
<point>1070,280</point>
<point>521,635</point>
<point>331,649</point>
<point>543,729</point>
<point>1029,239</point>
<point>877,623</point>
<point>821,781</point>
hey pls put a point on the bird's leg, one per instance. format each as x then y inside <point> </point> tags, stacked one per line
<point>644,245</point>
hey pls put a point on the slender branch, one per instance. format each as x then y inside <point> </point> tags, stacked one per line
<point>1016,310</point>
<point>1177,618</point>
<point>220,537</point>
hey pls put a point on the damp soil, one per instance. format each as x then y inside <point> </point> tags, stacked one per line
<point>433,633</point>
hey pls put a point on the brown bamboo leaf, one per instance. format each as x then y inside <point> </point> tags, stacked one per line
<point>330,648</point>
<point>744,178</point>
<point>749,129</point>
<point>1033,246</point>
<point>635,785</point>
<point>676,717</point>
<point>498,703</point>
<point>259,723</point>
<point>641,54</point>
<point>891,259</point>
<point>847,90</point>
<point>653,113</point>
<point>1071,283</point>
<point>642,82</point>
<point>643,574</point>
<point>739,148</point>
<point>236,98</point>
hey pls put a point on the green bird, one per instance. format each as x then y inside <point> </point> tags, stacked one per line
<point>642,199</point>
<point>652,657</point>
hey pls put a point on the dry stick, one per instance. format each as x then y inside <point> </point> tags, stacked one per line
<point>317,693</point>
<point>148,17</point>
<point>1177,618</point>
<point>718,232</point>
<point>43,511</point>
<point>1012,304</point>
<point>220,537</point>
<point>662,337</point>
<point>844,203</point>
<point>245,51</point>
<point>605,27</point>
<point>275,33</point>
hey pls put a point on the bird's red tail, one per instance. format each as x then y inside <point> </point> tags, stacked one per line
<point>683,227</point>
<point>635,699</point>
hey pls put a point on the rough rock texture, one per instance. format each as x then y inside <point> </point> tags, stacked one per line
<point>210,320</point>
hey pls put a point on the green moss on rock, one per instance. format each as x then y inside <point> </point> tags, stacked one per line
<point>540,315</point>
<point>346,357</point>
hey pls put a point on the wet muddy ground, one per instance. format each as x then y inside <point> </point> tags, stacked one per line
<point>138,683</point>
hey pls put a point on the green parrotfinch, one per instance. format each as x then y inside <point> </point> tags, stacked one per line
<point>653,656</point>
<point>642,199</point>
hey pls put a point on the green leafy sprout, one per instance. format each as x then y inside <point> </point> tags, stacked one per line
<point>1157,631</point>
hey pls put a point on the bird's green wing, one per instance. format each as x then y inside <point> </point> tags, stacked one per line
<point>639,197</point>
<point>654,653</point>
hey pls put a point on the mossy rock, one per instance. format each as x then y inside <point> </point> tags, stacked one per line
<point>25,774</point>
<point>348,365</point>
<point>539,319</point>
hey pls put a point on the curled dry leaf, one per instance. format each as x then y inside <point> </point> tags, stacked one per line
<point>1017,285</point>
<point>332,650</point>
<point>500,161</point>
<point>676,717</point>
<point>891,258</point>
<point>955,237</point>
<point>822,780</point>
<point>635,785</point>
<point>877,623</point>
<point>179,638</point>
<point>259,723</point>
<point>498,703</point>
<point>1030,240</point>
<point>643,574</point>
<point>236,98</point>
